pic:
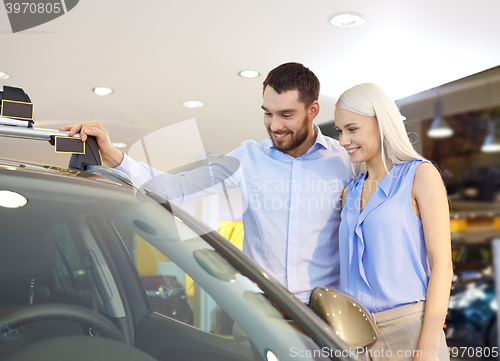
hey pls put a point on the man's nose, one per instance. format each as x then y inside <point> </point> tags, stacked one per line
<point>276,125</point>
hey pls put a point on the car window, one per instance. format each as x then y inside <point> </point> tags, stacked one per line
<point>188,280</point>
<point>173,293</point>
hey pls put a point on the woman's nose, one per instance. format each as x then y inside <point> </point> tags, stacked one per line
<point>344,140</point>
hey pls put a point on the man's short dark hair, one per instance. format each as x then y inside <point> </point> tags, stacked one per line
<point>290,76</point>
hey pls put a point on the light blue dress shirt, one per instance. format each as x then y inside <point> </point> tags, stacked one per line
<point>291,205</point>
<point>383,258</point>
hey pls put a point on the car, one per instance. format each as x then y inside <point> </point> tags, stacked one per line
<point>472,311</point>
<point>92,267</point>
<point>167,296</point>
<point>472,261</point>
<point>471,320</point>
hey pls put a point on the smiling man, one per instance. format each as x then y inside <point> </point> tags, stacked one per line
<point>291,184</point>
<point>290,105</point>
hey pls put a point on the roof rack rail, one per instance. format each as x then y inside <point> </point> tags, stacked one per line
<point>30,133</point>
<point>110,173</point>
<point>89,156</point>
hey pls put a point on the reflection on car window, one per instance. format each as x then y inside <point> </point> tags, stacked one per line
<point>171,292</point>
<point>182,273</point>
<point>168,244</point>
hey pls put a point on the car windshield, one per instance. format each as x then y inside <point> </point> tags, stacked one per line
<point>186,276</point>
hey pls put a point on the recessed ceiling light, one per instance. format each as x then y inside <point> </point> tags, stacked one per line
<point>249,74</point>
<point>101,90</point>
<point>347,20</point>
<point>192,104</point>
<point>10,199</point>
<point>4,76</point>
<point>120,145</point>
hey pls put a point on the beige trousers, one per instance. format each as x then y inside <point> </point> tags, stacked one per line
<point>399,332</point>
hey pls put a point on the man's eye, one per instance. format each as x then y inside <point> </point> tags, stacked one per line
<point>268,114</point>
<point>286,115</point>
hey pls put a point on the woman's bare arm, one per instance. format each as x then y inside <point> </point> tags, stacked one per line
<point>430,195</point>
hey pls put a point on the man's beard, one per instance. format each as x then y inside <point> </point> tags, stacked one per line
<point>296,138</point>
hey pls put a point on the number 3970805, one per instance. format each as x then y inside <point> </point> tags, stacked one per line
<point>33,8</point>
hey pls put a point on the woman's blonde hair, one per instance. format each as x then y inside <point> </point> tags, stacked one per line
<point>371,100</point>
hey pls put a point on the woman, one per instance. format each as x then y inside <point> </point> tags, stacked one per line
<point>395,247</point>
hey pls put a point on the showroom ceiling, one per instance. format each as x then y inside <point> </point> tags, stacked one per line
<point>156,54</point>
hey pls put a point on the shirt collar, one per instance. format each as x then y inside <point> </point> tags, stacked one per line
<point>320,139</point>
<point>386,183</point>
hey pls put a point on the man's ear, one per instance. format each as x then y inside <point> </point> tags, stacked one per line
<point>313,110</point>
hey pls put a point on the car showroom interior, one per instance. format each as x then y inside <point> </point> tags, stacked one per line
<point>178,85</point>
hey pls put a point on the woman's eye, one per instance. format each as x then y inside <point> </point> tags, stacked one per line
<point>352,129</point>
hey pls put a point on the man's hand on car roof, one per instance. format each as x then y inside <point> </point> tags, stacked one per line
<point>111,156</point>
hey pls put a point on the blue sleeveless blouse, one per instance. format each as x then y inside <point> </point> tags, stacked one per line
<point>383,258</point>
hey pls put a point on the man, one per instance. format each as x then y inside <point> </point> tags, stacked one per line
<point>291,184</point>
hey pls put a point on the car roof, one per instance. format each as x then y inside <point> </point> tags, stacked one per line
<point>94,173</point>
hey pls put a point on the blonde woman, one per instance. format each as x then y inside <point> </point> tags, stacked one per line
<point>395,247</point>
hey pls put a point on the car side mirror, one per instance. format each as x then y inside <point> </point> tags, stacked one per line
<point>348,318</point>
